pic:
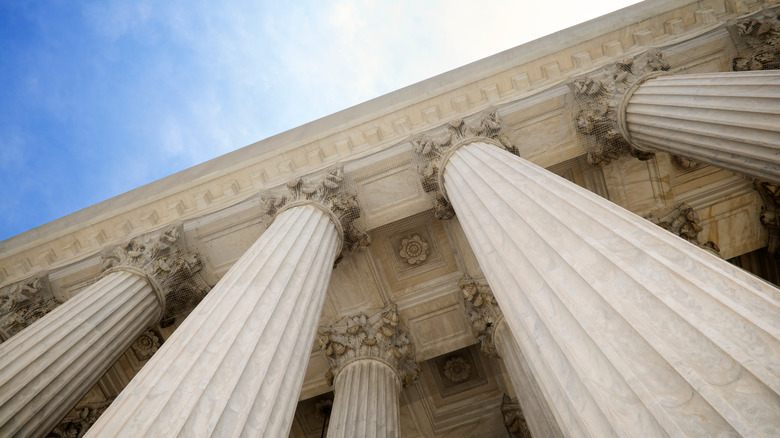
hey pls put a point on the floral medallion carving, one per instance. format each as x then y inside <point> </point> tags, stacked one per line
<point>328,191</point>
<point>457,369</point>
<point>23,303</point>
<point>164,258</point>
<point>414,250</point>
<point>483,313</point>
<point>378,336</point>
<point>600,94</point>
<point>433,149</point>
<point>146,345</point>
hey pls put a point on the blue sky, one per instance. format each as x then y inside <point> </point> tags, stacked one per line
<point>100,97</point>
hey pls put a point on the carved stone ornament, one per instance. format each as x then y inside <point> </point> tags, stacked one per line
<point>77,423</point>
<point>146,345</point>
<point>514,420</point>
<point>770,213</point>
<point>758,42</point>
<point>482,312</point>
<point>377,336</point>
<point>684,163</point>
<point>600,94</point>
<point>326,190</point>
<point>166,260</point>
<point>23,303</point>
<point>457,369</point>
<point>414,250</point>
<point>433,150</point>
<point>683,221</point>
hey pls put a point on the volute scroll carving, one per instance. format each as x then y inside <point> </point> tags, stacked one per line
<point>328,192</point>
<point>361,337</point>
<point>482,312</point>
<point>683,221</point>
<point>758,42</point>
<point>600,94</point>
<point>435,150</point>
<point>770,213</point>
<point>165,259</point>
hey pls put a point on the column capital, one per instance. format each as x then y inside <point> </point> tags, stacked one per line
<point>514,419</point>
<point>23,303</point>
<point>326,192</point>
<point>770,214</point>
<point>600,93</point>
<point>482,312</point>
<point>436,147</point>
<point>757,39</point>
<point>377,337</point>
<point>170,267</point>
<point>682,221</point>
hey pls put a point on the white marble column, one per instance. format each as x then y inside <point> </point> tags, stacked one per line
<point>236,364</point>
<point>370,359</point>
<point>367,401</point>
<point>631,330</point>
<point>49,366</point>
<point>729,120</point>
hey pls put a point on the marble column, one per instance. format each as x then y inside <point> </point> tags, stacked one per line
<point>630,330</point>
<point>729,120</point>
<point>236,364</point>
<point>370,359</point>
<point>49,366</point>
<point>490,328</point>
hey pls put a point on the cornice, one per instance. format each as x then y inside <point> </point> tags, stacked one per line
<point>369,127</point>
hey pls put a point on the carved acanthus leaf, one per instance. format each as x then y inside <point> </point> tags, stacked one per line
<point>23,303</point>
<point>378,336</point>
<point>600,93</point>
<point>482,312</point>
<point>164,258</point>
<point>327,190</point>
<point>770,213</point>
<point>432,148</point>
<point>758,42</point>
<point>77,423</point>
<point>514,420</point>
<point>683,221</point>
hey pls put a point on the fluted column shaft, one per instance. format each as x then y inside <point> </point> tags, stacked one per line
<point>630,330</point>
<point>537,410</point>
<point>236,364</point>
<point>366,403</point>
<point>729,120</point>
<point>48,367</point>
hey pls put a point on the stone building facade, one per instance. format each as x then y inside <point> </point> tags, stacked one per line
<point>553,241</point>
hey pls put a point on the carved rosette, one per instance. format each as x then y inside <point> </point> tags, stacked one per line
<point>482,312</point>
<point>414,250</point>
<point>600,94</point>
<point>457,369</point>
<point>434,149</point>
<point>770,213</point>
<point>23,303</point>
<point>683,221</point>
<point>514,420</point>
<point>326,190</point>
<point>77,423</point>
<point>758,42</point>
<point>165,259</point>
<point>146,345</point>
<point>363,337</point>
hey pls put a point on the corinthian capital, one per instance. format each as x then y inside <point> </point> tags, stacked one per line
<point>23,303</point>
<point>482,312</point>
<point>328,192</point>
<point>164,259</point>
<point>599,95</point>
<point>376,337</point>
<point>436,149</point>
<point>757,40</point>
